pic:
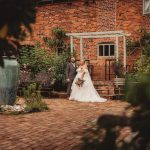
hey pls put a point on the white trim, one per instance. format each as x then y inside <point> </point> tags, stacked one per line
<point>71,43</point>
<point>97,36</point>
<point>117,48</point>
<point>106,44</point>
<point>94,33</point>
<point>125,51</point>
<point>107,34</point>
<point>81,48</point>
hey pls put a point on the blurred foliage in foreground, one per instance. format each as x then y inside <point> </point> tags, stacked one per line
<point>130,130</point>
<point>138,83</point>
<point>16,17</point>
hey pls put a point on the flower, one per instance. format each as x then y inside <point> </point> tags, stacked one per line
<point>79,82</point>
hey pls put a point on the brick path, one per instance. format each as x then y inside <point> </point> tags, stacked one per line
<point>58,129</point>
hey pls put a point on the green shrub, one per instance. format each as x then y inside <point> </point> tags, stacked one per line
<point>36,58</point>
<point>57,40</point>
<point>138,83</point>
<point>59,65</point>
<point>138,89</point>
<point>59,33</point>
<point>36,107</point>
<point>33,99</point>
<point>59,61</point>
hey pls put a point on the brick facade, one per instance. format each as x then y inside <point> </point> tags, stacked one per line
<point>103,15</point>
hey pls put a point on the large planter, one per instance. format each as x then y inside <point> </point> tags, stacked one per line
<point>9,75</point>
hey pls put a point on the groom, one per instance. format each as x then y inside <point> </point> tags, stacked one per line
<point>70,74</point>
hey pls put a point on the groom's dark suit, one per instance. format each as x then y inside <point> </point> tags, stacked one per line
<point>70,74</point>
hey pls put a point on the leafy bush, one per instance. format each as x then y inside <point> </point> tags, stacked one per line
<point>36,107</point>
<point>143,64</point>
<point>138,83</point>
<point>132,44</point>
<point>138,89</point>
<point>36,58</point>
<point>145,40</point>
<point>59,61</point>
<point>57,40</point>
<point>40,60</point>
<point>33,99</point>
<point>59,33</point>
<point>59,66</point>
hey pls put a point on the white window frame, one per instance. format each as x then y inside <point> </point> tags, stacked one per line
<point>103,44</point>
<point>144,13</point>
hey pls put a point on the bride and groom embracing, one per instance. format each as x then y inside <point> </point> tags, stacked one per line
<point>79,83</point>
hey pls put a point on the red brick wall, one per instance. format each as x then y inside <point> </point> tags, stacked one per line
<point>104,15</point>
<point>130,19</point>
<point>129,16</point>
<point>75,18</point>
<point>146,22</point>
<point>78,18</point>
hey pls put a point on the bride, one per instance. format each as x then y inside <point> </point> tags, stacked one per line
<point>84,92</point>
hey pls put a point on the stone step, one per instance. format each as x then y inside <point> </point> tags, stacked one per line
<point>104,88</point>
<point>95,82</point>
<point>104,85</point>
<point>99,83</point>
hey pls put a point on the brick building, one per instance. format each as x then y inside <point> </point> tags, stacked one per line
<point>127,16</point>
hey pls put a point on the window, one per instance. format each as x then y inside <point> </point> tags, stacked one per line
<point>146,6</point>
<point>59,51</point>
<point>107,49</point>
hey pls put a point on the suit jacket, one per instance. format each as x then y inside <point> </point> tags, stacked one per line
<point>70,71</point>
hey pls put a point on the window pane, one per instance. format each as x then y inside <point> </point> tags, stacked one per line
<point>106,50</point>
<point>112,50</point>
<point>146,6</point>
<point>101,50</point>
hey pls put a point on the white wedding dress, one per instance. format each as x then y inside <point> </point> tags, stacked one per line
<point>86,93</point>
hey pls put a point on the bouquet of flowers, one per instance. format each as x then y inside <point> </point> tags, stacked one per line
<point>79,82</point>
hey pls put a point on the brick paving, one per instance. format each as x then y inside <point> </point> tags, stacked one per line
<point>60,128</point>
